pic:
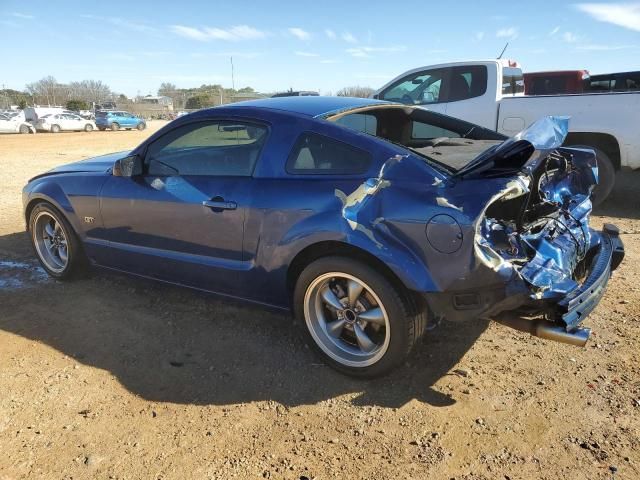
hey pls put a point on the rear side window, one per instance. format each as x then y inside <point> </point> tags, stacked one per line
<point>315,154</point>
<point>467,82</point>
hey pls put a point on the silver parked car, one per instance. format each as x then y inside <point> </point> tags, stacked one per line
<point>55,123</point>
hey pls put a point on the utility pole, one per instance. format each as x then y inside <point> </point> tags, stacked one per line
<point>233,82</point>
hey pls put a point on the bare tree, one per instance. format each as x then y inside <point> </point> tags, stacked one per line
<point>355,91</point>
<point>44,90</point>
<point>167,89</point>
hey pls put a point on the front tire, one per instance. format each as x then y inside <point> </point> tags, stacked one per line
<point>115,126</point>
<point>55,129</point>
<point>359,322</point>
<point>55,243</point>
<point>141,126</point>
<point>88,127</point>
<point>24,129</point>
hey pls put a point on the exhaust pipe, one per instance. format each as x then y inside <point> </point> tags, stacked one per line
<point>548,330</point>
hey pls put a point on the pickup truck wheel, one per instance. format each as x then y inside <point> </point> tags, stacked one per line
<point>56,244</point>
<point>55,128</point>
<point>115,126</point>
<point>24,129</point>
<point>606,176</point>
<point>354,317</point>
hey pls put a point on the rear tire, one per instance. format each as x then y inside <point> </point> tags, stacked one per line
<point>366,328</point>
<point>88,127</point>
<point>24,129</point>
<point>55,129</point>
<point>55,243</point>
<point>115,126</point>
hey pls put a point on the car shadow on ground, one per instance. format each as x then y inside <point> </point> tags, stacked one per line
<point>168,344</point>
<point>624,200</point>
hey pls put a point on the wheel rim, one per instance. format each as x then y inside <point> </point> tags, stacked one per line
<point>346,319</point>
<point>51,242</point>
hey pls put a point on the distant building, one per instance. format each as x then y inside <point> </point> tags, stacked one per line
<point>162,102</point>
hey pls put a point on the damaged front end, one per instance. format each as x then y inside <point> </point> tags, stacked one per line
<point>535,233</point>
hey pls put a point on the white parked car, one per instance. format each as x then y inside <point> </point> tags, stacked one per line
<point>15,124</point>
<point>58,122</point>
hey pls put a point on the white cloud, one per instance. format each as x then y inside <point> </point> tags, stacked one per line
<point>365,52</point>
<point>299,33</point>
<point>22,15</point>
<point>348,37</point>
<point>329,60</point>
<point>479,36</point>
<point>233,34</point>
<point>570,37</point>
<point>510,33</point>
<point>625,15</point>
<point>122,23</point>
<point>554,31</point>
<point>605,48</point>
<point>330,34</point>
<point>306,54</point>
<point>358,53</point>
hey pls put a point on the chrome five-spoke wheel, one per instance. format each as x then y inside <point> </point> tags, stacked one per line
<point>50,241</point>
<point>347,319</point>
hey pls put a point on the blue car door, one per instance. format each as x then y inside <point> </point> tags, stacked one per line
<point>182,220</point>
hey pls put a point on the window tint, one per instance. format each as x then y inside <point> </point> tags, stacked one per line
<point>360,122</point>
<point>426,131</point>
<point>219,148</point>
<point>467,82</point>
<point>417,89</point>
<point>317,155</point>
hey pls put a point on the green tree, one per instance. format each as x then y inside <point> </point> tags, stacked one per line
<point>198,101</point>
<point>77,105</point>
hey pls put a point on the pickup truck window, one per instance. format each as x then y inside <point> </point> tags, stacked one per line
<point>512,81</point>
<point>467,82</point>
<point>419,88</point>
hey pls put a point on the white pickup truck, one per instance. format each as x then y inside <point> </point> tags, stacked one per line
<point>490,93</point>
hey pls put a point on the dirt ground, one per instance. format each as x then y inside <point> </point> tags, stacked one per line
<point>113,377</point>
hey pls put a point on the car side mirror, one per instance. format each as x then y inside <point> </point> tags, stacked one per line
<point>130,166</point>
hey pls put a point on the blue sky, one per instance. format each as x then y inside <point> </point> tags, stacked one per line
<point>134,46</point>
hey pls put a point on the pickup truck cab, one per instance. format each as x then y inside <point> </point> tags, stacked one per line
<point>491,94</point>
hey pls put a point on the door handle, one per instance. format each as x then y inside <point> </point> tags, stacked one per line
<point>220,204</point>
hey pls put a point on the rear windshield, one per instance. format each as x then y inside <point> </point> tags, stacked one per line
<point>441,140</point>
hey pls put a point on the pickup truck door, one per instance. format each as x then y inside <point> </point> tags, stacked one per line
<point>469,94</point>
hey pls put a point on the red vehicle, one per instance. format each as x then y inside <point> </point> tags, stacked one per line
<point>556,82</point>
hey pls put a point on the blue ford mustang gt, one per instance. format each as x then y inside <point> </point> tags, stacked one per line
<point>369,220</point>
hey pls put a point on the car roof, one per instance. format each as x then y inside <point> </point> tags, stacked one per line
<point>312,106</point>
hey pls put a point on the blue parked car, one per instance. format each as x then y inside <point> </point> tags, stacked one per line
<point>370,220</point>
<point>117,119</point>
